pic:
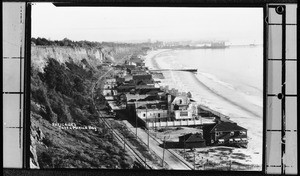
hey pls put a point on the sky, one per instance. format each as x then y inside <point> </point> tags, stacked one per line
<point>125,24</point>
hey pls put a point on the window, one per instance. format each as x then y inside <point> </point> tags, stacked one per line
<point>183,113</point>
<point>237,139</point>
<point>243,132</point>
<point>231,133</point>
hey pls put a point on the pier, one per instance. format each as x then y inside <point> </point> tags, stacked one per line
<point>186,70</point>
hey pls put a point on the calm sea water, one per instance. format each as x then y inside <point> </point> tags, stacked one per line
<point>234,74</point>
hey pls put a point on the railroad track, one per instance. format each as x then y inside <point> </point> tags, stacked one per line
<point>122,139</point>
<point>117,135</point>
<point>182,160</point>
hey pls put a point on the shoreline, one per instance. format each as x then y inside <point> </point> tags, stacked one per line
<point>152,59</point>
<point>199,82</point>
<point>254,131</point>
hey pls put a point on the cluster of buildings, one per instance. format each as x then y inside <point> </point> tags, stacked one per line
<point>134,93</point>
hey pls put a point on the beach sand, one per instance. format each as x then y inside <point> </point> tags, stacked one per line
<point>241,107</point>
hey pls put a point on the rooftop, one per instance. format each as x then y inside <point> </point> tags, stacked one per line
<point>227,126</point>
<point>192,137</point>
<point>135,96</point>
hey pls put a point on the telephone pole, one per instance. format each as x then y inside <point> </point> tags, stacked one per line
<point>163,159</point>
<point>184,146</point>
<point>146,126</point>
<point>136,119</point>
<point>194,159</point>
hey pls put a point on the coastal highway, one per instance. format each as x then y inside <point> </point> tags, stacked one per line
<point>174,161</point>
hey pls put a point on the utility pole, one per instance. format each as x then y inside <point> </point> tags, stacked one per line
<point>146,125</point>
<point>136,119</point>
<point>163,159</point>
<point>184,146</point>
<point>194,159</point>
<point>155,123</point>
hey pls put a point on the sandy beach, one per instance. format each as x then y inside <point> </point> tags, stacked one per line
<point>241,103</point>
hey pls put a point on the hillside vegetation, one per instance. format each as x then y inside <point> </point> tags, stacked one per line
<point>61,82</point>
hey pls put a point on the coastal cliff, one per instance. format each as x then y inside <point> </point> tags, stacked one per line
<point>65,129</point>
<point>41,54</point>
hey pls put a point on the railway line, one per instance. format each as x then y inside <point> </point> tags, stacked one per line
<point>117,135</point>
<point>132,149</point>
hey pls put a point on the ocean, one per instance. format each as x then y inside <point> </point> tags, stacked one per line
<point>228,80</point>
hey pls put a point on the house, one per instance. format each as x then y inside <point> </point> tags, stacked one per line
<point>108,86</point>
<point>151,110</point>
<point>125,88</point>
<point>192,140</point>
<point>227,134</point>
<point>180,103</point>
<point>143,79</point>
<point>136,59</point>
<point>128,77</point>
<point>135,97</point>
<point>130,100</point>
<point>110,80</point>
<point>140,89</point>
<point>138,72</point>
<point>107,92</point>
<point>152,114</point>
<point>154,109</point>
<point>129,68</point>
<point>110,83</point>
<point>183,108</point>
<point>119,80</point>
<point>130,63</point>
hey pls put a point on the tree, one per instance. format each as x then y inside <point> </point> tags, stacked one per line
<point>78,84</point>
<point>56,77</point>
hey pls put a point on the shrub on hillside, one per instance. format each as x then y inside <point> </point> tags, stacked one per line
<point>78,84</point>
<point>39,94</point>
<point>80,100</point>
<point>56,77</point>
<point>45,160</point>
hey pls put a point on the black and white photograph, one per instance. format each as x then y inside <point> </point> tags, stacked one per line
<point>154,88</point>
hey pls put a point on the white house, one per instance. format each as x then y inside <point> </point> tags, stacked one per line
<point>152,115</point>
<point>184,108</point>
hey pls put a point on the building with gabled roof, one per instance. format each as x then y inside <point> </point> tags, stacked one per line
<point>183,108</point>
<point>144,79</point>
<point>192,140</point>
<point>226,134</point>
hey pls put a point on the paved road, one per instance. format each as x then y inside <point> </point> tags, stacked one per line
<point>174,161</point>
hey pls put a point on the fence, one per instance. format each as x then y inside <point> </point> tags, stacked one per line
<point>178,123</point>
